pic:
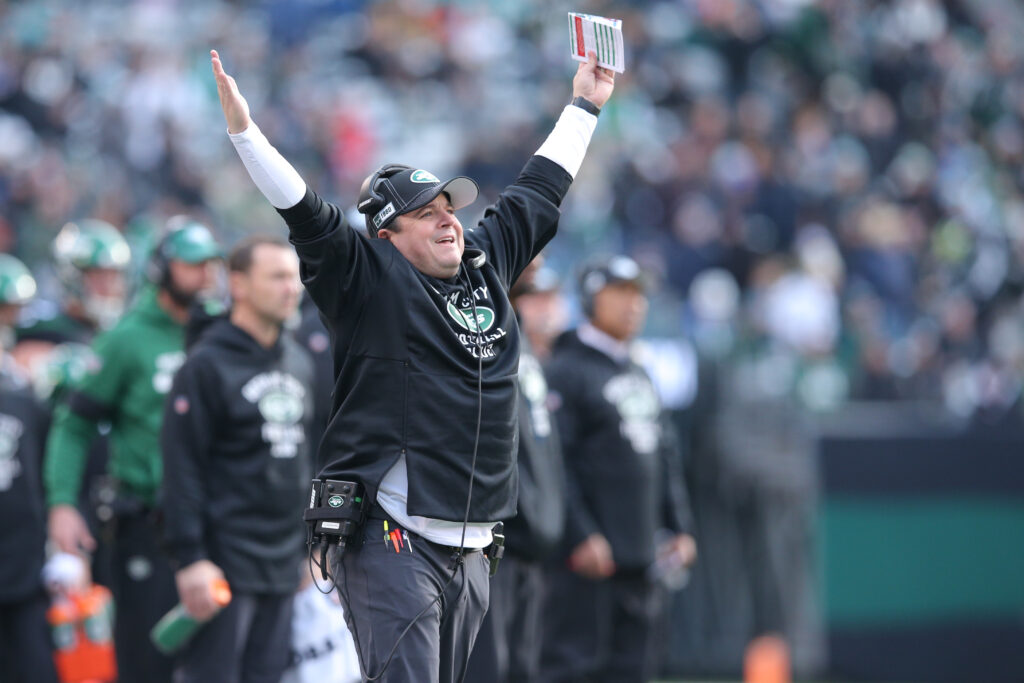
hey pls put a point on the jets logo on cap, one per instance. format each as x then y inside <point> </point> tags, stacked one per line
<point>422,176</point>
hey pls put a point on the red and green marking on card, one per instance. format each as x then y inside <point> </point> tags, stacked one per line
<point>600,34</point>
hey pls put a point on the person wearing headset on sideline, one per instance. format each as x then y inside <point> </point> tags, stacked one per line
<point>426,354</point>
<point>624,485</point>
<point>135,364</point>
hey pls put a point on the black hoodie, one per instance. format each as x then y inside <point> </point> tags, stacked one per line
<point>406,355</point>
<point>235,441</point>
<point>623,466</point>
<point>23,425</point>
<point>535,531</point>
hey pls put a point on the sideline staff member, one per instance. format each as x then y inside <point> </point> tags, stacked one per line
<point>26,645</point>
<point>624,484</point>
<point>137,361</point>
<point>426,352</point>
<point>237,469</point>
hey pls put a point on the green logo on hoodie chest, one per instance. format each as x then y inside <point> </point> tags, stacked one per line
<point>465,319</point>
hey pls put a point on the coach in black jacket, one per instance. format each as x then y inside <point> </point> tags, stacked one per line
<point>236,470</point>
<point>426,353</point>
<point>624,486</point>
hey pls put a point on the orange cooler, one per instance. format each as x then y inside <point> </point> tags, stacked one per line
<point>82,627</point>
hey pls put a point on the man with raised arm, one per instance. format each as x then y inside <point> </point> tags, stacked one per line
<point>426,354</point>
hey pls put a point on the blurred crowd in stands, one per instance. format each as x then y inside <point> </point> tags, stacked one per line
<point>827,194</point>
<point>834,183</point>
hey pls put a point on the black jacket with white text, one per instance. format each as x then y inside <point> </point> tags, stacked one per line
<point>623,468</point>
<point>407,347</point>
<point>23,426</point>
<point>235,441</point>
<point>535,531</point>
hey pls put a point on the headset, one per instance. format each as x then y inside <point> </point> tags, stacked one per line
<point>371,201</point>
<point>158,269</point>
<point>590,284</point>
<point>598,273</point>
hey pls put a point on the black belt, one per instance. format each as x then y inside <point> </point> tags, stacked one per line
<point>375,511</point>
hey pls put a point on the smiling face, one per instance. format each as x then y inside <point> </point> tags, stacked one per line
<point>430,238</point>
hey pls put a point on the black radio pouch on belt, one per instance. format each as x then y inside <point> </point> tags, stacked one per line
<point>335,515</point>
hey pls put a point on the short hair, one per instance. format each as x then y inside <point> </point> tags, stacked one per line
<point>240,258</point>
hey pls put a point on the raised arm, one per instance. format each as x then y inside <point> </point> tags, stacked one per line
<point>279,182</point>
<point>567,144</point>
<point>322,238</point>
<point>236,109</point>
<point>526,215</point>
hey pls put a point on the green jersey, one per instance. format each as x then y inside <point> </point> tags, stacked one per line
<point>135,365</point>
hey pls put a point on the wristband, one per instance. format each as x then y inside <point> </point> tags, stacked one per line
<point>586,105</point>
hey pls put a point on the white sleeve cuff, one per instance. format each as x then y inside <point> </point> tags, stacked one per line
<point>567,144</point>
<point>279,182</point>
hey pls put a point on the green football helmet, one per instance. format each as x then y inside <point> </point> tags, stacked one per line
<point>91,243</point>
<point>186,240</point>
<point>86,245</point>
<point>17,286</point>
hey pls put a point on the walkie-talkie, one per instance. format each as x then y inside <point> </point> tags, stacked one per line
<point>335,509</point>
<point>335,514</point>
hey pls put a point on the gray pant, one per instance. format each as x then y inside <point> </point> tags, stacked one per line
<point>385,591</point>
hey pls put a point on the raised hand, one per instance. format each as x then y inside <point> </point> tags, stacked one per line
<point>236,109</point>
<point>593,82</point>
